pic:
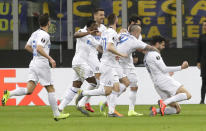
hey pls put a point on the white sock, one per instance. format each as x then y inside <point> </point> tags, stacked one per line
<point>70,93</point>
<point>53,103</point>
<point>18,92</point>
<point>176,98</point>
<point>168,110</point>
<point>96,92</point>
<point>85,99</point>
<point>132,99</point>
<point>122,88</point>
<point>111,101</point>
<point>97,83</point>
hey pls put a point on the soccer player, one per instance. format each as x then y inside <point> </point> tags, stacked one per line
<point>109,79</point>
<point>94,62</point>
<point>39,70</point>
<point>170,90</point>
<point>134,19</point>
<point>80,64</point>
<point>129,42</point>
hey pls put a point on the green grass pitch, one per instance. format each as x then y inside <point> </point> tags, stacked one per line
<point>39,118</point>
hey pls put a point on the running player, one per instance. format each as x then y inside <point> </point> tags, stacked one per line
<point>109,76</point>
<point>134,19</point>
<point>128,44</point>
<point>170,90</point>
<point>39,70</point>
<point>94,62</point>
<point>80,64</point>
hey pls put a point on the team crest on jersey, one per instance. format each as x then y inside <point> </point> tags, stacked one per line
<point>158,57</point>
<point>43,40</point>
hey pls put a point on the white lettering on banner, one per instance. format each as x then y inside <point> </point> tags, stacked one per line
<point>13,78</point>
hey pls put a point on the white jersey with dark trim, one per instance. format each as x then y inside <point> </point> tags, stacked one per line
<point>101,29</point>
<point>83,48</point>
<point>156,66</point>
<point>40,37</point>
<point>108,58</point>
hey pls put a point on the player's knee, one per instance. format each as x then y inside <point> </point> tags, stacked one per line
<point>108,91</point>
<point>189,96</point>
<point>29,92</point>
<point>91,80</point>
<point>178,111</point>
<point>134,88</point>
<point>77,84</point>
<point>127,83</point>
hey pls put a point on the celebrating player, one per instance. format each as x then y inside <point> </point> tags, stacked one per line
<point>170,90</point>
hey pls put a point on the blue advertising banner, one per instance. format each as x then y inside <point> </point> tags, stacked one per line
<point>6,16</point>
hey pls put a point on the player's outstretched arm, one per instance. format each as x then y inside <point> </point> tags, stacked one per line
<point>42,52</point>
<point>28,48</point>
<point>166,69</point>
<point>184,65</point>
<point>111,48</point>
<point>82,34</point>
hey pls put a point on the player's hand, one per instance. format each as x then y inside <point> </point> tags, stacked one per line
<point>117,58</point>
<point>123,30</point>
<point>198,65</point>
<point>94,32</point>
<point>53,62</point>
<point>185,65</point>
<point>171,73</point>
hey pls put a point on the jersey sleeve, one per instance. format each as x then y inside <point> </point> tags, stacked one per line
<point>29,42</point>
<point>92,41</point>
<point>42,40</point>
<point>161,65</point>
<point>139,44</point>
<point>113,37</point>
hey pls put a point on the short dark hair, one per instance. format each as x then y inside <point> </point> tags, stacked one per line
<point>134,18</point>
<point>156,39</point>
<point>90,23</point>
<point>111,19</point>
<point>43,19</point>
<point>97,10</point>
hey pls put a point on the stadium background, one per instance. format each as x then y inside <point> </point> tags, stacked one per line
<point>18,19</point>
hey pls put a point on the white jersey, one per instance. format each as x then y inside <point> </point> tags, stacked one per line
<point>39,37</point>
<point>108,58</point>
<point>83,48</point>
<point>101,29</point>
<point>156,66</point>
<point>128,44</point>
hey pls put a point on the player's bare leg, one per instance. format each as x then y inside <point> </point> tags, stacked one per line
<point>85,100</point>
<point>18,92</point>
<point>181,94</point>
